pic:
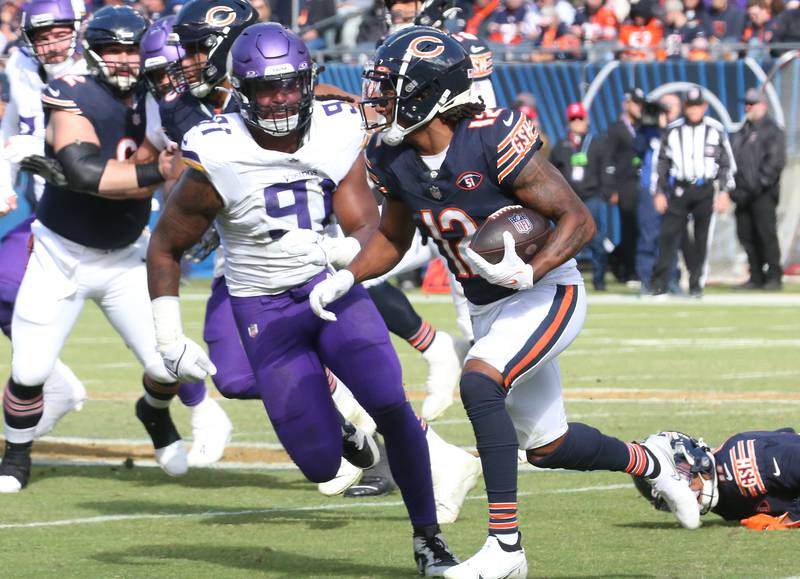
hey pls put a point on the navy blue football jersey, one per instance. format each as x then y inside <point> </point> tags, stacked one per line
<point>80,217</point>
<point>479,54</point>
<point>485,156</point>
<point>761,475</point>
<point>180,113</point>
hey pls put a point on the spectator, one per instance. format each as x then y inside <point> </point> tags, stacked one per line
<point>696,18</point>
<point>642,33</point>
<point>726,21</point>
<point>621,175</point>
<point>311,13</point>
<point>153,8</point>
<point>553,34</point>
<point>760,25</point>
<point>579,157</point>
<point>760,152</point>
<point>694,155</point>
<point>478,21</point>
<point>513,24</point>
<point>787,25</point>
<point>595,22</point>
<point>564,10</point>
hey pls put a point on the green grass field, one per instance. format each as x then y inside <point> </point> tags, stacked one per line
<point>709,368</point>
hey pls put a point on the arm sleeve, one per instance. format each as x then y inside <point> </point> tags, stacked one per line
<point>774,159</point>
<point>727,166</point>
<point>662,164</point>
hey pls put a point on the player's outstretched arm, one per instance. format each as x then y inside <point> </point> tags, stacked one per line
<point>386,246</point>
<point>77,149</point>
<point>354,204</point>
<point>541,187</point>
<point>188,213</point>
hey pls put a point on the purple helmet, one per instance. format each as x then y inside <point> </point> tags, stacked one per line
<point>43,14</point>
<point>158,50</point>
<point>269,62</point>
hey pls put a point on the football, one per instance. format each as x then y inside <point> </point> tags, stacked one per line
<point>529,229</point>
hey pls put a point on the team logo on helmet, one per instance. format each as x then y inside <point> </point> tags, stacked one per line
<point>416,49</point>
<point>220,16</point>
<point>469,180</point>
<point>521,223</point>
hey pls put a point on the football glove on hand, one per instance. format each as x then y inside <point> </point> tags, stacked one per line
<point>205,247</point>
<point>330,290</point>
<point>49,169</point>
<point>312,248</point>
<point>510,272</point>
<point>763,522</point>
<point>187,361</point>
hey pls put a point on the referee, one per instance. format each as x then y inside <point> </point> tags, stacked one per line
<point>694,155</point>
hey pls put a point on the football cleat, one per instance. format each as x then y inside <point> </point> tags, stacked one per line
<point>370,486</point>
<point>15,471</point>
<point>211,430</point>
<point>444,372</point>
<point>169,449</point>
<point>670,486</point>
<point>454,471</point>
<point>346,476</point>
<point>494,561</point>
<point>358,448</point>
<point>62,393</point>
<point>432,555</point>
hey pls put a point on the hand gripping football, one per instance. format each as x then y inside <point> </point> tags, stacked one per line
<point>529,230</point>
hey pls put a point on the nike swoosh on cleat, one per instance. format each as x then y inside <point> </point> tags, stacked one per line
<point>777,468</point>
<point>55,92</point>
<point>508,121</point>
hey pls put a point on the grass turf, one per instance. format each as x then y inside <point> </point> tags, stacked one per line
<point>636,368</point>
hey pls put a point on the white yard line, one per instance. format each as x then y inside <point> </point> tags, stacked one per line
<point>307,508</point>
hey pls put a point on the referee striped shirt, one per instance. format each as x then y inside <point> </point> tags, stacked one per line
<point>695,154</point>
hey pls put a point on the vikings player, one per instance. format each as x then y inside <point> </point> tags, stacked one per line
<point>264,173</point>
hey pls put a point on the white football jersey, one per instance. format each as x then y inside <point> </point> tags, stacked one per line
<point>267,193</point>
<point>24,114</point>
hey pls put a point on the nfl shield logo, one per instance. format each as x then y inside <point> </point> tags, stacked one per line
<point>252,330</point>
<point>435,192</point>
<point>521,223</point>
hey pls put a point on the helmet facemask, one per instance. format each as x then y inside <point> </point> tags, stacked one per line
<point>196,77</point>
<point>294,90</point>
<point>121,76</point>
<point>696,463</point>
<point>49,53</point>
<point>413,104</point>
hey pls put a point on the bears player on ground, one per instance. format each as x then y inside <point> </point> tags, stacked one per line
<point>50,35</point>
<point>524,314</point>
<point>753,477</point>
<point>269,170</point>
<point>89,241</point>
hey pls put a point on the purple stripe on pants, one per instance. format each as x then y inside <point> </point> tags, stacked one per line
<point>288,346</point>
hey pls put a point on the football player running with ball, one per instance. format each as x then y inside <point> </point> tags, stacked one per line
<point>432,133</point>
<point>263,172</point>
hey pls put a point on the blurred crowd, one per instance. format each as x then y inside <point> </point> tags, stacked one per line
<point>536,30</point>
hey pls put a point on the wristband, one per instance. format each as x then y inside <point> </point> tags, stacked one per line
<point>147,174</point>
<point>167,320</point>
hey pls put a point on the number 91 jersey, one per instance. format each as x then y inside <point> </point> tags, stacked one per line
<point>267,193</point>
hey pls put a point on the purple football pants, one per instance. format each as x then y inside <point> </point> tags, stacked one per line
<point>288,348</point>
<point>14,255</point>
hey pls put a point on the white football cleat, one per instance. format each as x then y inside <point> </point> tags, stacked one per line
<point>346,476</point>
<point>172,459</point>
<point>455,472</point>
<point>492,562</point>
<point>444,372</point>
<point>62,393</point>
<point>211,431</point>
<point>670,485</point>
<point>10,484</point>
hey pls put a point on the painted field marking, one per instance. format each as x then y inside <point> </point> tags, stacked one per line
<point>239,513</point>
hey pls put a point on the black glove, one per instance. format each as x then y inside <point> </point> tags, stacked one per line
<point>46,167</point>
<point>203,248</point>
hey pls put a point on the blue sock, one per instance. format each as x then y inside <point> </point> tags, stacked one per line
<point>496,439</point>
